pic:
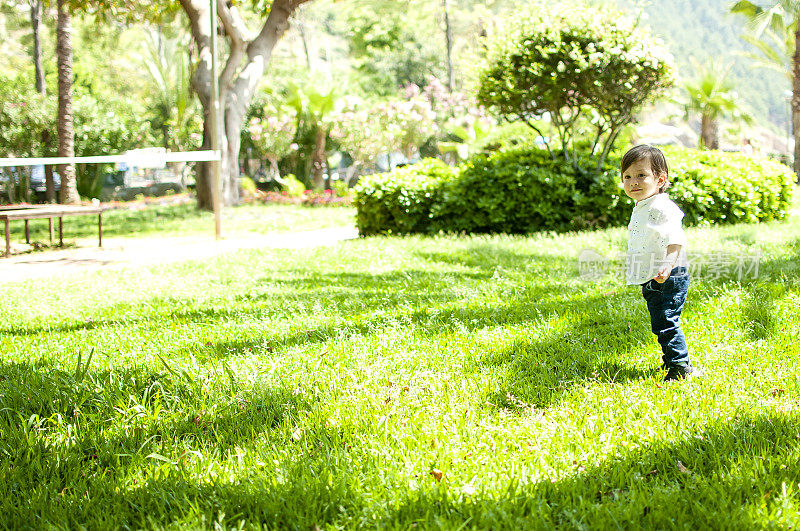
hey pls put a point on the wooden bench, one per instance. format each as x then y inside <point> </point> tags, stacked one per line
<point>49,212</point>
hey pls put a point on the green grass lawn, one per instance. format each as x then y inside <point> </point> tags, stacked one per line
<point>187,220</point>
<point>331,387</point>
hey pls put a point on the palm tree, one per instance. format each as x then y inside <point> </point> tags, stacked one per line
<point>776,35</point>
<point>66,132</point>
<point>712,96</point>
<point>167,65</point>
<point>314,106</point>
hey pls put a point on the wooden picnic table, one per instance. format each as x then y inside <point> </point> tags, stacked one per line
<point>49,212</point>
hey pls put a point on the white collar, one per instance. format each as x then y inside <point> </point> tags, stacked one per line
<point>645,202</point>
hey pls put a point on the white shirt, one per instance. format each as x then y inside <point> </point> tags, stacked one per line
<point>655,224</point>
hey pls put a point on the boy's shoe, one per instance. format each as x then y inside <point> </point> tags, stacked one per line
<point>686,372</point>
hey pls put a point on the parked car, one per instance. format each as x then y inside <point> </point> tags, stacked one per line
<point>36,182</point>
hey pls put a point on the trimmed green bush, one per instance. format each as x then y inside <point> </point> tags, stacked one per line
<point>719,187</point>
<point>513,191</point>
<point>524,190</point>
<point>401,201</point>
<point>600,200</point>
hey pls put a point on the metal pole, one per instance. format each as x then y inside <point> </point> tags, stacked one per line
<point>215,165</point>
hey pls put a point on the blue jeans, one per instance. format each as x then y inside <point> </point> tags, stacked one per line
<point>665,304</point>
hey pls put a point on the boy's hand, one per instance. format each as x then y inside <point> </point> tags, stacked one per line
<point>663,274</point>
<point>673,250</point>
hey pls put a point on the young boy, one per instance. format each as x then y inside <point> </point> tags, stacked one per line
<point>656,254</point>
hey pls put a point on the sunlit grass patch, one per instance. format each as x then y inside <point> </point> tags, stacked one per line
<point>386,382</point>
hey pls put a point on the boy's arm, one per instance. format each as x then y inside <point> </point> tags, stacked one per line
<point>673,251</point>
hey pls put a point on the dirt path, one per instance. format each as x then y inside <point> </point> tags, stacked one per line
<point>124,252</point>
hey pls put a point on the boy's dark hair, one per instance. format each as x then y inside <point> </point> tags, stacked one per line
<point>658,163</point>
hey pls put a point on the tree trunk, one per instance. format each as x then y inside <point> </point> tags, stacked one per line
<point>448,34</point>
<point>301,26</point>
<point>11,186</point>
<point>41,88</point>
<point>318,158</point>
<point>50,184</point>
<point>36,17</point>
<point>796,99</point>
<point>709,132</point>
<point>203,171</point>
<point>350,174</point>
<point>274,170</point>
<point>66,140</point>
<point>237,82</point>
<point>235,114</point>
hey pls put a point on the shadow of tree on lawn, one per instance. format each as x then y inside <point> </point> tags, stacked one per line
<point>734,474</point>
<point>596,337</point>
<point>733,470</point>
<point>121,422</point>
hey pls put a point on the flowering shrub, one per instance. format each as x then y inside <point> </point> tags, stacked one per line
<point>367,130</point>
<point>272,134</point>
<point>448,106</point>
<point>359,130</point>
<point>307,198</point>
<point>408,123</point>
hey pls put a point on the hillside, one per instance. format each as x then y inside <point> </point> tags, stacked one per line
<point>703,30</point>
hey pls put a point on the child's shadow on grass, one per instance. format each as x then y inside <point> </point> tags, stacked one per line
<point>595,349</point>
<point>596,343</point>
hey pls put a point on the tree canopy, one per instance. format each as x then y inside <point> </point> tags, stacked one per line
<point>566,66</point>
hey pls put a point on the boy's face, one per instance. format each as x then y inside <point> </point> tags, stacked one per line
<point>640,182</point>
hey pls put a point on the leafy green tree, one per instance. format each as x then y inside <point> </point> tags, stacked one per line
<point>776,36</point>
<point>574,66</point>
<point>387,48</point>
<point>106,128</point>
<point>243,67</point>
<point>65,123</point>
<point>26,118</point>
<point>773,50</point>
